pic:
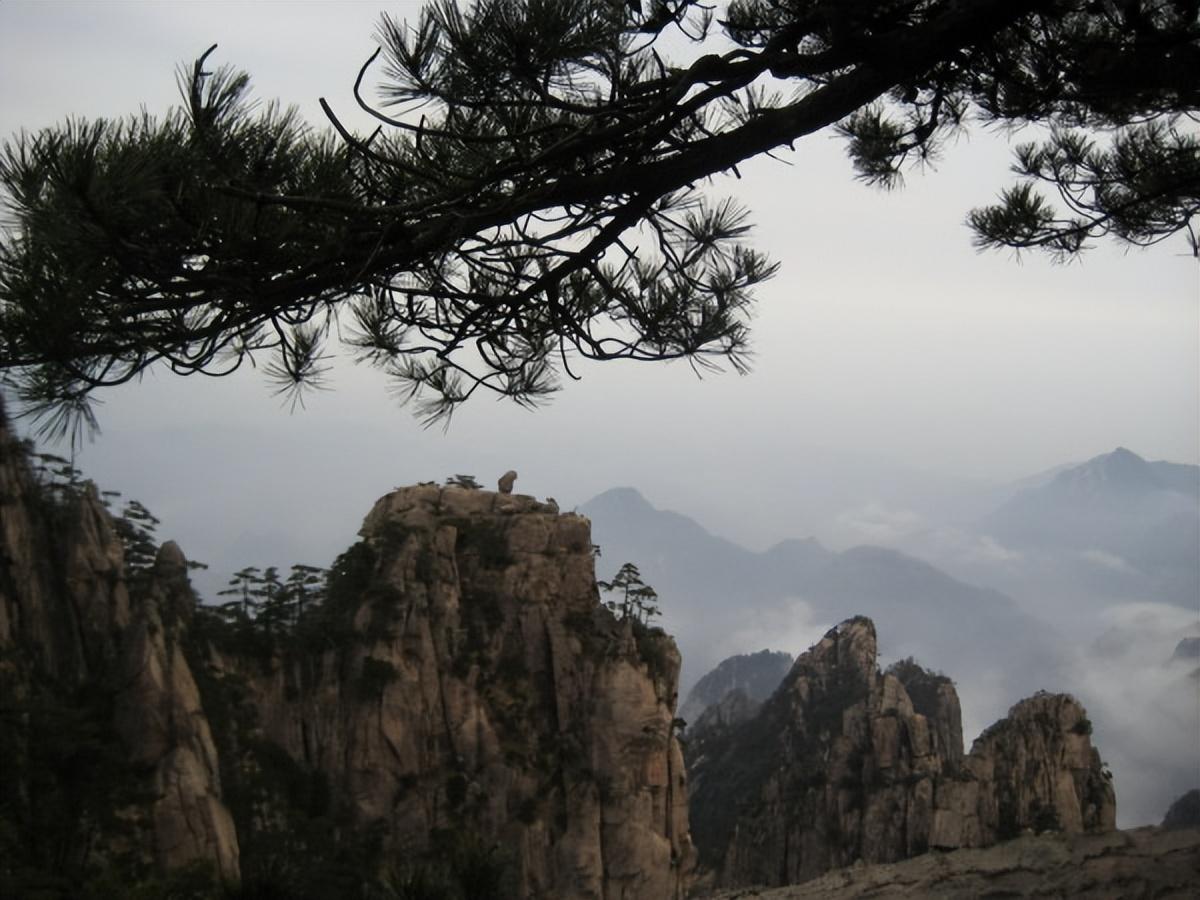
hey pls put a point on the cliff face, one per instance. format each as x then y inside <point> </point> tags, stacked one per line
<point>486,692</point>
<point>105,743</point>
<point>464,700</point>
<point>844,763</point>
<point>1036,770</point>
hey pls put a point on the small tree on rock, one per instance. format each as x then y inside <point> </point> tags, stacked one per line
<point>636,599</point>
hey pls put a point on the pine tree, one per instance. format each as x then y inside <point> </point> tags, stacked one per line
<point>534,190</point>
<point>636,598</point>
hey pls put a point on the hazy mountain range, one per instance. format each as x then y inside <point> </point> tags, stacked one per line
<point>719,599</point>
<point>1117,524</point>
<point>1083,578</point>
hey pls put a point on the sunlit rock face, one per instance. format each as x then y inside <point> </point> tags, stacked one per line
<point>465,689</point>
<point>846,763</point>
<point>507,703</point>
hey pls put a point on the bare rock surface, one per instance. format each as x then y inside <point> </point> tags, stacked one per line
<point>551,720</point>
<point>1116,865</point>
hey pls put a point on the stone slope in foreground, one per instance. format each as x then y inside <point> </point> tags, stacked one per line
<point>1144,862</point>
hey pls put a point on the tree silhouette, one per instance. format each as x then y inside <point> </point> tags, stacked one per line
<point>636,598</point>
<point>533,191</point>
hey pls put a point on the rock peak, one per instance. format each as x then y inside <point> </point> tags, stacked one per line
<point>422,504</point>
<point>846,763</point>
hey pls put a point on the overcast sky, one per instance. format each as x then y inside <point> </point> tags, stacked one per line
<point>890,356</point>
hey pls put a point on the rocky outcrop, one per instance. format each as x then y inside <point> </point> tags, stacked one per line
<point>92,665</point>
<point>460,705</point>
<point>1188,648</point>
<point>485,691</point>
<point>756,675</point>
<point>1039,771</point>
<point>846,763</point>
<point>1145,862</point>
<point>160,719</point>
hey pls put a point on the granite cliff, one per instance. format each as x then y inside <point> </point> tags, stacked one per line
<point>459,706</point>
<point>106,752</point>
<point>846,763</point>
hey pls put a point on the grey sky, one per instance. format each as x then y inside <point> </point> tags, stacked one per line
<point>889,355</point>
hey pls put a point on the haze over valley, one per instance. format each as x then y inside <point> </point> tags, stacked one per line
<point>1082,580</point>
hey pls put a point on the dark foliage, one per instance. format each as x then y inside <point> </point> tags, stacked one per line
<point>65,774</point>
<point>1184,812</point>
<point>532,193</point>
<point>922,685</point>
<point>376,675</point>
<point>635,599</point>
<point>737,763</point>
<point>459,866</point>
<point>653,646</point>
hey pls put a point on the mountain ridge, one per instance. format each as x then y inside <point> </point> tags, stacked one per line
<point>713,592</point>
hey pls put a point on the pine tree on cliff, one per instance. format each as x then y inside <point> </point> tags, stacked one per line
<point>534,189</point>
<point>636,599</point>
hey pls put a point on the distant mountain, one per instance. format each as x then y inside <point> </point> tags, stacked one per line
<point>1178,477</point>
<point>719,599</point>
<point>1123,472</point>
<point>755,674</point>
<point>670,548</point>
<point>1118,483</point>
<point>1134,524</point>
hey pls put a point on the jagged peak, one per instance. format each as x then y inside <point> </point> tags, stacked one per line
<point>833,755</point>
<point>849,647</point>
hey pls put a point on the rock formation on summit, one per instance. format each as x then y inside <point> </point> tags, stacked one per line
<point>846,763</point>
<point>506,481</point>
